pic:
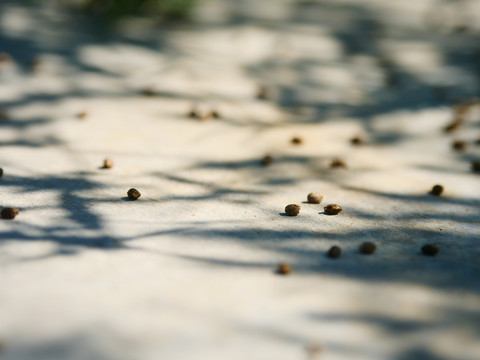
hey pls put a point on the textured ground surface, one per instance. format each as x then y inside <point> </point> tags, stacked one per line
<point>187,271</point>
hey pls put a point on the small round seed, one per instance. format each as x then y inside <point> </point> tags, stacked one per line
<point>262,92</point>
<point>1,172</point>
<point>475,166</point>
<point>82,115</point>
<point>437,190</point>
<point>367,248</point>
<point>215,114</point>
<point>283,269</point>
<point>338,163</point>
<point>107,163</point>
<point>296,140</point>
<point>267,160</point>
<point>314,198</point>
<point>292,209</point>
<point>459,145</point>
<point>334,252</point>
<point>356,141</point>
<point>332,209</point>
<point>147,92</point>
<point>9,213</point>
<point>430,250</point>
<point>133,194</point>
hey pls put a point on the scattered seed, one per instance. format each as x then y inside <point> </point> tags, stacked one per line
<point>356,141</point>
<point>292,209</point>
<point>82,115</point>
<point>215,114</point>
<point>314,198</point>
<point>332,209</point>
<point>475,166</point>
<point>267,160</point>
<point>437,190</point>
<point>337,163</point>
<point>453,126</point>
<point>107,163</point>
<point>133,194</point>
<point>262,92</point>
<point>1,172</point>
<point>9,213</point>
<point>193,114</point>
<point>283,269</point>
<point>459,145</point>
<point>148,92</point>
<point>367,248</point>
<point>430,250</point>
<point>296,140</point>
<point>334,252</point>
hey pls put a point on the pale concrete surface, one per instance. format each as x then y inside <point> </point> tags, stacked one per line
<point>187,271</point>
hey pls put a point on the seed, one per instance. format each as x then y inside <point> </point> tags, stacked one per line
<point>1,172</point>
<point>262,93</point>
<point>477,142</point>
<point>215,114</point>
<point>475,166</point>
<point>437,190</point>
<point>334,252</point>
<point>147,92</point>
<point>314,198</point>
<point>337,163</point>
<point>332,209</point>
<point>267,160</point>
<point>454,125</point>
<point>296,140</point>
<point>356,141</point>
<point>292,209</point>
<point>193,114</point>
<point>430,250</point>
<point>283,269</point>
<point>82,115</point>
<point>133,194</point>
<point>459,145</point>
<point>9,213</point>
<point>367,248</point>
<point>107,163</point>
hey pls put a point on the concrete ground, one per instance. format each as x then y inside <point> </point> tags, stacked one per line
<point>188,270</point>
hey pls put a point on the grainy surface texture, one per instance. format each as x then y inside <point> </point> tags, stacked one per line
<point>188,270</point>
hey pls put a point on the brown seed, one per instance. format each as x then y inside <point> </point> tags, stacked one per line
<point>437,190</point>
<point>367,248</point>
<point>334,252</point>
<point>215,114</point>
<point>338,163</point>
<point>283,269</point>
<point>292,209</point>
<point>148,92</point>
<point>82,115</point>
<point>296,140</point>
<point>133,194</point>
<point>193,114</point>
<point>454,125</point>
<point>1,172</point>
<point>430,250</point>
<point>314,198</point>
<point>459,145</point>
<point>356,141</point>
<point>475,166</point>
<point>107,163</point>
<point>262,93</point>
<point>267,160</point>
<point>9,213</point>
<point>332,209</point>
